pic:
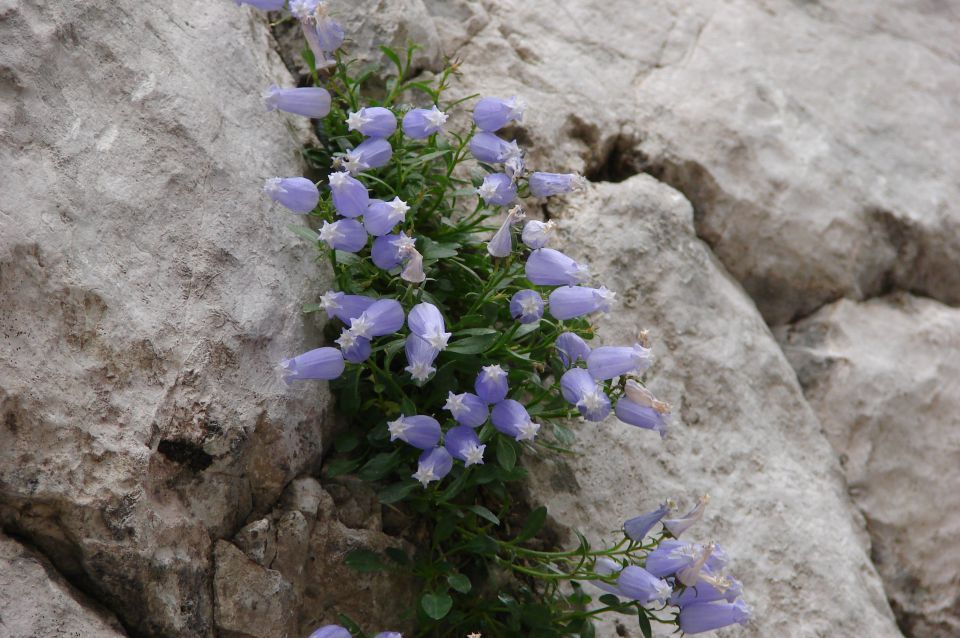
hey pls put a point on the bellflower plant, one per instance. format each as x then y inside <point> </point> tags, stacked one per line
<point>461,346</point>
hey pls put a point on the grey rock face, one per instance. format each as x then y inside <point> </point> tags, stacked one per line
<point>148,290</point>
<point>36,601</point>
<point>741,431</point>
<point>884,378</point>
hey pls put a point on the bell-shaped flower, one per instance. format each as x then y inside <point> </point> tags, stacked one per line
<point>642,396</point>
<point>641,416</point>
<point>547,184</point>
<point>374,152</point>
<point>343,306</point>
<point>307,101</point>
<point>526,306</point>
<point>607,567</point>
<point>463,443</point>
<point>690,574</point>
<point>579,388</point>
<point>419,430</point>
<point>413,268</point>
<point>373,121</point>
<point>382,217</point>
<point>497,189</point>
<point>322,363</point>
<point>568,302</point>
<point>426,322</point>
<point>607,362</point>
<point>487,147</point>
<point>298,194</point>
<point>383,317</point>
<point>389,634</point>
<point>355,349</point>
<point>347,235</point>
<point>638,527</point>
<point>501,244</point>
<point>330,631</point>
<point>549,267</point>
<point>512,419</point>
<point>433,465</point>
<point>350,196</point>
<point>640,585</point>
<point>718,559</point>
<point>491,384</point>
<point>422,123</point>
<point>536,234</point>
<point>386,252</point>
<point>571,348</point>
<point>265,5</point>
<point>467,409</point>
<point>710,588</point>
<point>695,619</point>
<point>322,34</point>
<point>672,556</point>
<point>420,358</point>
<point>493,113</point>
<point>678,526</point>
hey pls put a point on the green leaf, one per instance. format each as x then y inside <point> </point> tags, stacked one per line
<point>433,250</point>
<point>473,345</point>
<point>483,512</point>
<point>644,623</point>
<point>397,555</point>
<point>483,545</point>
<point>310,307</point>
<point>475,332</point>
<point>337,467</point>
<point>363,560</point>
<point>564,434</point>
<point>610,600</point>
<point>379,466</point>
<point>393,57</point>
<point>346,441</point>
<point>436,605</point>
<point>533,524</point>
<point>459,582</point>
<point>506,453</point>
<point>347,258</point>
<point>525,329</point>
<point>304,232</point>
<point>396,492</point>
<point>444,529</point>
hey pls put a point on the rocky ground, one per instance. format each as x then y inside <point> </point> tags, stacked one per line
<point>773,195</point>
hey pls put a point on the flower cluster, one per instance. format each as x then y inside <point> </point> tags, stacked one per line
<point>460,341</point>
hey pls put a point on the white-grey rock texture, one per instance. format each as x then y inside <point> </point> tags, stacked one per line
<point>884,378</point>
<point>148,291</point>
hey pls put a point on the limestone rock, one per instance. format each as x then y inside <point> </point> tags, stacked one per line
<point>250,600</point>
<point>884,378</point>
<point>741,430</point>
<point>36,601</point>
<point>148,290</point>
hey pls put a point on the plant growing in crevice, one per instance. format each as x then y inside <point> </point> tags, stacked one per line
<point>462,344</point>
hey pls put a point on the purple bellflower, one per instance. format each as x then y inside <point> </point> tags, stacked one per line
<point>467,409</point>
<point>307,101</point>
<point>433,465</point>
<point>607,362</point>
<point>422,123</point>
<point>512,419</point>
<point>323,35</point>
<point>547,184</point>
<point>526,306</point>
<point>463,443</point>
<point>579,388</point>
<point>330,631</point>
<point>638,584</point>
<point>501,244</point>
<point>385,253</point>
<point>678,526</point>
<point>298,194</point>
<point>347,235</point>
<point>497,189</point>
<point>536,234</point>
<point>695,619</point>
<point>418,430</point>
<point>374,152</point>
<point>607,567</point>
<point>389,634</point>
<point>420,358</point>
<point>426,322</point>
<point>265,5</point>
<point>708,589</point>
<point>491,384</point>
<point>638,527</point>
<point>322,363</point>
<point>487,147</point>
<point>343,306</point>
<point>355,349</point>
<point>382,217</point>
<point>493,113</point>
<point>641,416</point>
<point>568,302</point>
<point>350,196</point>
<point>383,317</point>
<point>549,267</point>
<point>671,556</point>
<point>571,347</point>
<point>373,121</point>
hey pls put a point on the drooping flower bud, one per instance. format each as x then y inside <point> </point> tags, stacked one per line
<point>638,584</point>
<point>298,194</point>
<point>413,269</point>
<point>579,389</point>
<point>433,465</point>
<point>501,244</point>
<point>641,416</point>
<point>549,267</point>
<point>347,235</point>
<point>607,362</point>
<point>678,526</point>
<point>374,152</point>
<point>497,189</point>
<point>467,409</point>
<point>695,619</point>
<point>512,419</point>
<point>419,430</point>
<point>493,113</point>
<point>422,123</point>
<point>526,306</point>
<point>307,101</point>
<point>638,527</point>
<point>350,196</point>
<point>536,234</point>
<point>382,217</point>
<point>373,121</point>
<point>568,302</point>
<point>607,567</point>
<point>426,322</point>
<point>463,443</point>
<point>571,348</point>
<point>491,384</point>
<point>641,396</point>
<point>321,363</point>
<point>487,147</point>
<point>547,184</point>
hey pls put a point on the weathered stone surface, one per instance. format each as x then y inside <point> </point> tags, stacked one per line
<point>250,600</point>
<point>742,431</point>
<point>35,601</point>
<point>148,290</point>
<point>884,378</point>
